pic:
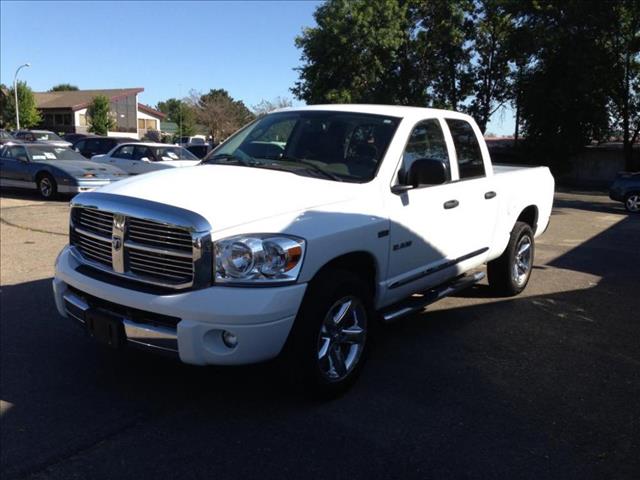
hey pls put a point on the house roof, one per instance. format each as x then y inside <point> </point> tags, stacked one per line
<point>150,111</point>
<point>79,99</point>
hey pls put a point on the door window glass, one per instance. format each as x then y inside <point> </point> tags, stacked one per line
<point>470,164</point>
<point>125,152</point>
<point>140,152</point>
<point>426,141</point>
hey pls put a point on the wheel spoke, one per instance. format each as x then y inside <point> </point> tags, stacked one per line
<point>337,361</point>
<point>353,335</point>
<point>342,312</point>
<point>524,248</point>
<point>324,349</point>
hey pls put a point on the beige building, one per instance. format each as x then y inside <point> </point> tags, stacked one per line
<point>67,111</point>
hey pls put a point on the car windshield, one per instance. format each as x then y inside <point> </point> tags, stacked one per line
<point>173,153</point>
<point>46,136</point>
<point>339,146</point>
<point>41,153</point>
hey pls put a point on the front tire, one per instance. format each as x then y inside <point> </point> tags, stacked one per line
<point>509,274</point>
<point>47,187</point>
<point>632,202</point>
<point>330,339</point>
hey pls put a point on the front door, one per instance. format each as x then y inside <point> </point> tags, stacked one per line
<point>427,230</point>
<point>14,167</point>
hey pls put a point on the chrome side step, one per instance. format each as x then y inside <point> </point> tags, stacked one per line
<point>413,305</point>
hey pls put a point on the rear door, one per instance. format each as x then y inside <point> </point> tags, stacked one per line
<point>476,195</point>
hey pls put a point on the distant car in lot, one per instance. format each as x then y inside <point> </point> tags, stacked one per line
<point>74,137</point>
<point>199,151</point>
<point>41,136</point>
<point>626,188</point>
<point>52,170</point>
<point>97,145</point>
<point>6,137</point>
<point>193,140</point>
<point>136,158</point>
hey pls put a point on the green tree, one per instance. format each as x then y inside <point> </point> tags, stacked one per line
<point>29,114</point>
<point>63,87</point>
<point>181,113</point>
<point>624,49</point>
<point>353,54</point>
<point>493,32</point>
<point>220,113</point>
<point>443,39</point>
<point>100,120</point>
<point>565,88</point>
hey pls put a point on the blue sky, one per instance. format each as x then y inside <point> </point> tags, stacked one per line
<point>168,48</point>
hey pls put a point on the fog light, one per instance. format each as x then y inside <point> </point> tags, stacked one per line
<point>229,339</point>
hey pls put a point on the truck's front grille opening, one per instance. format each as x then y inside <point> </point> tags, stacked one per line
<point>143,250</point>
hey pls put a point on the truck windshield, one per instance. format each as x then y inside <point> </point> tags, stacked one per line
<point>339,146</point>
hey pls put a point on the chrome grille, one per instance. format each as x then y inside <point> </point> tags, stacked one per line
<point>141,249</point>
<point>95,221</point>
<point>93,247</point>
<point>159,235</point>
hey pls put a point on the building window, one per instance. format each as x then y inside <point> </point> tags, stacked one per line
<point>147,124</point>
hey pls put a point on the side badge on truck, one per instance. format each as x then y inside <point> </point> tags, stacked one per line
<point>399,246</point>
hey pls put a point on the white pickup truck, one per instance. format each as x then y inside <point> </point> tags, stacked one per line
<point>297,234</point>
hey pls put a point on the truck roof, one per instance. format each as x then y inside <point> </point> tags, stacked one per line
<point>391,110</point>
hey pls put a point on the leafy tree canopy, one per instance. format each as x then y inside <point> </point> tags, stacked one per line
<point>63,87</point>
<point>100,120</point>
<point>29,114</point>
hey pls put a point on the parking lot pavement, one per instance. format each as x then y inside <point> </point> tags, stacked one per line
<point>544,385</point>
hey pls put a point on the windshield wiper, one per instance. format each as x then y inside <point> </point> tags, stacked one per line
<point>228,156</point>
<point>312,166</point>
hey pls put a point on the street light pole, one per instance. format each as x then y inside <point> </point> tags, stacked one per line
<point>15,91</point>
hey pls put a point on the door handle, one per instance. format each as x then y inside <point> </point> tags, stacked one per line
<point>490,195</point>
<point>451,204</point>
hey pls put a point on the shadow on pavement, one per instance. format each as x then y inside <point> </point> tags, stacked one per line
<point>529,387</point>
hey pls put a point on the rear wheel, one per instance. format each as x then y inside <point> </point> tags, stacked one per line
<point>632,202</point>
<point>47,187</point>
<point>330,338</point>
<point>510,273</point>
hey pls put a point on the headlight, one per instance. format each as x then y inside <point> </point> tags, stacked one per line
<point>258,258</point>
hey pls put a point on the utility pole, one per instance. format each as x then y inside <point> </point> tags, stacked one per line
<point>15,91</point>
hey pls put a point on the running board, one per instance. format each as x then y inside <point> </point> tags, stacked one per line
<point>413,305</point>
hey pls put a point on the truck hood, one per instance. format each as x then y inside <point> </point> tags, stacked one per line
<point>228,196</point>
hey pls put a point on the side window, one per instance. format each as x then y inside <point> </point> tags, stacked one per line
<point>80,145</point>
<point>140,152</point>
<point>125,152</point>
<point>426,141</point>
<point>16,152</point>
<point>470,164</point>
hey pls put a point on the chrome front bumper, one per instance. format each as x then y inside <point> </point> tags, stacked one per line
<point>148,337</point>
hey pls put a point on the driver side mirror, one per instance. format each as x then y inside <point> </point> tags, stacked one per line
<point>423,172</point>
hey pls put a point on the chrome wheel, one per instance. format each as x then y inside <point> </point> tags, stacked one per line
<point>342,338</point>
<point>46,187</point>
<point>522,261</point>
<point>633,203</point>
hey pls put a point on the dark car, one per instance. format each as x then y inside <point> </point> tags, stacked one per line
<point>41,136</point>
<point>52,170</point>
<point>6,137</point>
<point>96,145</point>
<point>74,137</point>
<point>626,188</point>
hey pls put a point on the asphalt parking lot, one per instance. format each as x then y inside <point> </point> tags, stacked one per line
<point>544,385</point>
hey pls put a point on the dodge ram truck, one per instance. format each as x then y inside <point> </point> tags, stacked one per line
<point>299,233</point>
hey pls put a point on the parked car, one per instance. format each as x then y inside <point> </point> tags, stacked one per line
<point>136,158</point>
<point>96,145</point>
<point>192,140</point>
<point>6,137</point>
<point>74,137</point>
<point>299,233</point>
<point>199,151</point>
<point>52,170</point>
<point>626,188</point>
<point>41,136</point>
